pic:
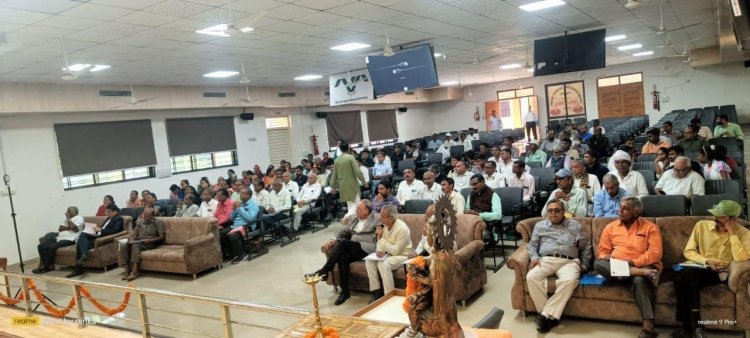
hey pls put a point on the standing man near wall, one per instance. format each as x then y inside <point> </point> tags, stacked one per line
<point>531,123</point>
<point>346,177</point>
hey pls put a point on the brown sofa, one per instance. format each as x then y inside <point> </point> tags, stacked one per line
<point>191,246</point>
<point>472,275</point>
<point>724,303</point>
<point>104,253</point>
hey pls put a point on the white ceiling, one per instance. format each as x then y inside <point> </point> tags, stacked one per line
<point>152,41</point>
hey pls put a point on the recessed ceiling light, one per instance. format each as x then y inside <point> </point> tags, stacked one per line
<point>246,29</point>
<point>539,5</point>
<point>530,70</point>
<point>511,66</point>
<point>629,47</point>
<point>77,67</point>
<point>99,67</point>
<point>218,30</point>
<point>646,53</point>
<point>308,77</point>
<point>350,46</point>
<point>449,83</point>
<point>221,74</point>
<point>615,38</point>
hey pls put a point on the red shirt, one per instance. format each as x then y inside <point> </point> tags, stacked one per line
<point>100,211</point>
<point>224,211</point>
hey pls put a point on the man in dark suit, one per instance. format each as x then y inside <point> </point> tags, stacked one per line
<point>113,224</point>
<point>351,244</point>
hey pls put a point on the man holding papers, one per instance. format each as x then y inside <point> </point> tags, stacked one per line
<point>393,245</point>
<point>630,251</point>
<point>558,247</point>
<point>713,246</point>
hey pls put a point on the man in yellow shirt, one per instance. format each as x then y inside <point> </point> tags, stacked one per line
<point>713,244</point>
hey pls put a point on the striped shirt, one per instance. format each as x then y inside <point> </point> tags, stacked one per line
<point>566,239</point>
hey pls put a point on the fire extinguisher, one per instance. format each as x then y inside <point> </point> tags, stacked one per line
<point>314,140</point>
<point>655,99</point>
<point>476,114</point>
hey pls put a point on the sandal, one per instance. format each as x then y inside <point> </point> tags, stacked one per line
<point>648,334</point>
<point>654,278</point>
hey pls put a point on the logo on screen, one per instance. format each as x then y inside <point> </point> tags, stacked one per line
<point>351,84</point>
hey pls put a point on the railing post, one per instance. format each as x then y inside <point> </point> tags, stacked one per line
<point>79,306</point>
<point>26,296</point>
<point>144,315</point>
<point>226,321</point>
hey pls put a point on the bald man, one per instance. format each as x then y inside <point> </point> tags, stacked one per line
<point>289,185</point>
<point>680,180</point>
<point>306,197</point>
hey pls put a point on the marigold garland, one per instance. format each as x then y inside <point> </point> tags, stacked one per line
<point>412,285</point>
<point>12,301</point>
<point>328,332</point>
<point>109,312</point>
<point>51,309</point>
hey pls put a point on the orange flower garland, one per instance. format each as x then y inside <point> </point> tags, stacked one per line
<point>412,285</point>
<point>12,301</point>
<point>51,309</point>
<point>328,332</point>
<point>109,312</point>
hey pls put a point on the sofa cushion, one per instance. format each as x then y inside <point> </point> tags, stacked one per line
<point>180,229</point>
<point>465,228</point>
<point>675,232</point>
<point>166,252</point>
<point>717,295</point>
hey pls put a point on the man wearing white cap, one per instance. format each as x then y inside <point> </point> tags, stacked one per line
<point>574,199</point>
<point>534,154</point>
<point>630,180</point>
<point>445,147</point>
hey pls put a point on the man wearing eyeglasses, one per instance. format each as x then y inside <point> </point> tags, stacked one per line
<point>574,199</point>
<point>680,180</point>
<point>560,248</point>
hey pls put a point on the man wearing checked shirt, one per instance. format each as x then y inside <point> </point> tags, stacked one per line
<point>558,247</point>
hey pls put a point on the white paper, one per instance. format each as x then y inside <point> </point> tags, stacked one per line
<point>619,268</point>
<point>693,265</point>
<point>374,257</point>
<point>89,229</point>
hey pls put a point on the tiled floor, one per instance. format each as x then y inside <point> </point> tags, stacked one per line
<point>275,279</point>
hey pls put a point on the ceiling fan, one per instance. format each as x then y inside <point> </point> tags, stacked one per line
<point>477,60</point>
<point>232,28</point>
<point>243,76</point>
<point>685,52</point>
<point>133,100</point>
<point>247,98</point>
<point>667,43</point>
<point>387,49</point>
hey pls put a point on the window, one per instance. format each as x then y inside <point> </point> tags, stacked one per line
<point>375,143</point>
<point>107,177</point>
<point>620,95</point>
<point>351,146</point>
<point>185,163</point>
<point>515,93</point>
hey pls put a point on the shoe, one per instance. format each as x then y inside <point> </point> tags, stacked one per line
<point>681,333</point>
<point>699,332</point>
<point>342,298</point>
<point>132,276</point>
<point>547,324</point>
<point>375,296</point>
<point>77,271</point>
<point>39,271</point>
<point>539,321</point>
<point>239,260</point>
<point>648,334</point>
<point>81,260</point>
<point>228,258</point>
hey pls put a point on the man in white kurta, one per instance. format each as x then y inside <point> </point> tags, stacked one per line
<point>309,193</point>
<point>680,180</point>
<point>393,247</point>
<point>409,189</point>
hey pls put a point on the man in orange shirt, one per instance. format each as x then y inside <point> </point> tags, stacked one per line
<point>637,241</point>
<point>654,143</point>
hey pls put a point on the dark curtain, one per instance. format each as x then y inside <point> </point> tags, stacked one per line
<point>200,135</point>
<point>381,125</point>
<point>344,126</point>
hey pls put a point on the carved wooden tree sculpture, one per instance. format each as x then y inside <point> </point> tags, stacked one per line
<point>432,308</point>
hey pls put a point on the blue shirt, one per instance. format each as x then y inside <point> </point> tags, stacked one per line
<point>381,169</point>
<point>585,136</point>
<point>434,144</point>
<point>245,214</point>
<point>606,205</point>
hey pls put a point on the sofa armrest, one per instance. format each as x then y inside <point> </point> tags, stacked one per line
<point>102,241</point>
<point>739,275</point>
<point>199,241</point>
<point>470,249</point>
<point>519,261</point>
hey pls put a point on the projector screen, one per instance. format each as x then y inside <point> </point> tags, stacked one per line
<point>406,70</point>
<point>570,53</point>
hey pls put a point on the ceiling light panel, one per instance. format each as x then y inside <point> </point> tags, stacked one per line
<point>646,53</point>
<point>308,77</point>
<point>221,74</point>
<point>511,66</point>
<point>97,68</point>
<point>613,38</point>
<point>630,47</point>
<point>350,46</point>
<point>540,5</point>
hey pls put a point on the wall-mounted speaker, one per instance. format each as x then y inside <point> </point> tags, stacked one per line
<point>247,116</point>
<point>402,109</point>
<point>747,64</point>
<point>321,115</point>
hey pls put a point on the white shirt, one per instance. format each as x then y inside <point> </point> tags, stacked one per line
<point>280,200</point>
<point>691,184</point>
<point>495,123</point>
<point>432,193</point>
<point>526,182</point>
<point>593,187</point>
<point>505,169</point>
<point>458,202</point>
<point>611,165</point>
<point>309,193</point>
<point>208,209</point>
<point>68,235</point>
<point>291,187</point>
<point>591,130</point>
<point>262,198</point>
<point>467,144</point>
<point>448,144</point>
<point>633,183</point>
<point>461,181</point>
<point>409,192</point>
<point>494,181</point>
<point>530,116</point>
<point>366,173</point>
<point>474,137</point>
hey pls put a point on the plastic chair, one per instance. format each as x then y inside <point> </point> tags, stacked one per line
<point>664,205</point>
<point>416,206</point>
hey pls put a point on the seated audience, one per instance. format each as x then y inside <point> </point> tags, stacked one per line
<point>187,208</point>
<point>692,143</point>
<point>661,161</point>
<point>108,199</point>
<point>439,176</point>
<point>234,193</point>
<point>587,182</point>
<point>224,208</point>
<point>492,178</point>
<point>410,189</point>
<point>558,160</point>
<point>724,128</point>
<point>396,156</point>
<point>434,143</point>
<point>473,135</point>
<point>148,233</point>
<point>583,133</point>
<point>220,183</point>
<point>607,200</point>
<point>599,143</point>
<point>703,131</point>
<point>457,200</point>
<point>667,131</point>
<point>270,176</point>
<point>505,165</point>
<point>299,176</point>
<point>384,197</point>
<point>573,199</point>
<point>483,201</point>
<point>134,201</point>
<point>535,154</point>
<point>596,124</point>
<point>309,193</point>
<point>66,235</point>
<point>461,176</point>
<point>520,178</point>
<point>680,180</point>
<point>189,190</point>
<point>713,167</point>
<point>144,194</point>
<point>654,142</point>
<point>495,154</point>
<point>113,224</point>
<point>591,160</point>
<point>484,150</point>
<point>150,202</point>
<point>203,185</point>
<point>280,202</point>
<point>291,186</point>
<point>463,141</point>
<point>431,188</point>
<point>244,215</point>
<point>508,143</point>
<point>558,247</point>
<point>448,142</point>
<point>380,171</point>
<point>677,151</point>
<point>174,194</point>
<point>567,148</point>
<point>478,166</point>
<point>261,196</point>
<point>630,180</point>
<point>630,151</point>
<point>714,246</point>
<point>351,244</point>
<point>208,204</point>
<point>637,241</point>
<point>366,159</point>
<point>327,160</point>
<point>550,142</point>
<point>393,239</point>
